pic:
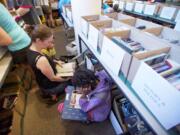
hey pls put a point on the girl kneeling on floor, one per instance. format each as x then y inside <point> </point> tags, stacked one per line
<point>96,93</point>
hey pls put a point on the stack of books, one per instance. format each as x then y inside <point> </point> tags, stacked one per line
<point>174,78</point>
<point>166,68</point>
<point>128,44</point>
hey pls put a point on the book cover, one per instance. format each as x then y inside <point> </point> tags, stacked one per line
<point>74,101</point>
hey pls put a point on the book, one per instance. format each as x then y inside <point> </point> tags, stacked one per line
<point>128,44</point>
<point>66,69</point>
<point>74,101</point>
<point>70,113</point>
<point>155,59</point>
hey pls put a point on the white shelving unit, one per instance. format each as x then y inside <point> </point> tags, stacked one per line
<point>144,112</point>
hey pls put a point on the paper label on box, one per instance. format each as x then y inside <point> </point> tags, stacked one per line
<point>112,55</point>
<point>121,5</point>
<point>149,9</point>
<point>129,6</point>
<point>84,26</point>
<point>93,36</point>
<point>167,12</point>
<point>160,97</point>
<point>178,17</point>
<point>139,7</point>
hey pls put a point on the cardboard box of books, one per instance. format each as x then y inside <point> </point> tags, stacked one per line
<point>129,6</point>
<point>139,7</point>
<point>64,8</point>
<point>122,18</point>
<point>165,33</point>
<point>85,20</point>
<point>150,9</point>
<point>95,28</point>
<point>143,24</point>
<point>139,45</point>
<point>157,84</point>
<point>112,54</point>
<point>168,36</point>
<point>167,12</point>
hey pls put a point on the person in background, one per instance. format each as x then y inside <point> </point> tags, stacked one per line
<point>96,93</point>
<point>43,66</point>
<point>13,36</point>
<point>26,11</point>
<point>106,8</point>
<point>60,5</point>
<point>46,7</point>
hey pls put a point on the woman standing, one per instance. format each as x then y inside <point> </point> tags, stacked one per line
<point>13,36</point>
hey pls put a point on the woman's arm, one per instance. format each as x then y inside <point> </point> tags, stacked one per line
<point>22,11</point>
<point>43,65</point>
<point>5,39</point>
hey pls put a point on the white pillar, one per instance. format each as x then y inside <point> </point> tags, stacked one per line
<point>83,8</point>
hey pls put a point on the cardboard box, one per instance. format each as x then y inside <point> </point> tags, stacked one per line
<point>150,9</point>
<point>95,28</point>
<point>86,20</point>
<point>168,36</point>
<point>157,94</point>
<point>122,18</point>
<point>167,12</point>
<point>152,46</point>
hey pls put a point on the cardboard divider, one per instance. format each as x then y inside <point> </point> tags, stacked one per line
<point>142,23</point>
<point>122,18</point>
<point>86,20</point>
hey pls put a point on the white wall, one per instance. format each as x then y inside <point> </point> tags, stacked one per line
<point>82,8</point>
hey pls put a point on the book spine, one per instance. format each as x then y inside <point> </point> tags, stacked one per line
<point>163,68</point>
<point>121,44</point>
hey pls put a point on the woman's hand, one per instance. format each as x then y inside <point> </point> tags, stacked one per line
<point>59,62</point>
